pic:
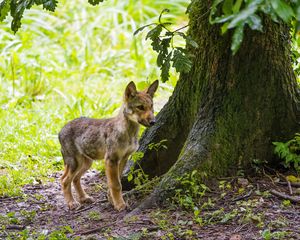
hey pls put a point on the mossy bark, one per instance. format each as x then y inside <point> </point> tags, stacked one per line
<point>244,102</point>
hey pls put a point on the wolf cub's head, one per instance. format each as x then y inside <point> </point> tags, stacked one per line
<point>139,105</point>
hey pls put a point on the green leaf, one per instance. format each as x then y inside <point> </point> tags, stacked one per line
<point>213,10</point>
<point>223,19</point>
<point>227,7</point>
<point>156,44</point>
<point>267,9</point>
<point>283,10</point>
<point>163,51</point>
<point>16,11</point>
<point>154,36</point>
<point>181,62</point>
<point>165,43</point>
<point>160,59</point>
<point>165,68</point>
<point>94,2</point>
<point>236,7</point>
<point>129,177</point>
<point>142,28</point>
<point>154,33</point>
<point>237,38</point>
<point>4,9</point>
<point>242,16</point>
<point>50,5</point>
<point>224,28</point>
<point>254,22</point>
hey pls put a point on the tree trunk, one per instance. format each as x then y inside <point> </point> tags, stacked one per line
<point>240,104</point>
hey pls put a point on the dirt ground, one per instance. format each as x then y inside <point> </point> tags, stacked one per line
<point>246,211</point>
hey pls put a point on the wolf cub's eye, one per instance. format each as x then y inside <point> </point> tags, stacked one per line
<point>141,108</point>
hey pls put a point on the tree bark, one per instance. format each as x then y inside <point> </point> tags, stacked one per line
<point>241,104</point>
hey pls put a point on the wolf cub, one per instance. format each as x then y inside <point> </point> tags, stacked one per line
<point>114,139</point>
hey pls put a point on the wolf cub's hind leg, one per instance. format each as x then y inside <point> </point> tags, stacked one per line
<point>66,181</point>
<point>83,196</point>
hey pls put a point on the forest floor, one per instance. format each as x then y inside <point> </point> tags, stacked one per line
<point>236,209</point>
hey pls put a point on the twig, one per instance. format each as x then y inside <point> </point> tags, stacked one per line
<point>293,184</point>
<point>83,209</point>
<point>290,187</point>
<point>102,200</point>
<point>98,229</point>
<point>243,197</point>
<point>281,176</point>
<point>7,199</point>
<point>268,176</point>
<point>285,196</point>
<point>131,192</point>
<point>239,228</point>
<point>15,227</point>
<point>33,187</point>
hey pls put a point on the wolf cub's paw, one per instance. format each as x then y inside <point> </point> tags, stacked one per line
<point>73,205</point>
<point>120,207</point>
<point>86,199</point>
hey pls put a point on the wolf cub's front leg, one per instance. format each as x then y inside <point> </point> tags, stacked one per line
<point>114,183</point>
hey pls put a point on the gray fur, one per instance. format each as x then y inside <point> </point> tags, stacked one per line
<point>92,138</point>
<point>114,139</point>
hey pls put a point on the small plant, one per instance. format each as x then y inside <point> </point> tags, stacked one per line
<point>157,147</point>
<point>190,190</point>
<point>137,175</point>
<point>160,218</point>
<point>268,235</point>
<point>60,234</point>
<point>13,218</point>
<point>188,194</point>
<point>94,215</point>
<point>289,152</point>
<point>257,164</point>
<point>28,215</point>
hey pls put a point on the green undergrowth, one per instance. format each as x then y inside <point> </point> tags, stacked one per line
<point>228,201</point>
<point>71,63</point>
<point>290,152</point>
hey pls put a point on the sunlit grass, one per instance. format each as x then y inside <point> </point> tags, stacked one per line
<point>67,64</point>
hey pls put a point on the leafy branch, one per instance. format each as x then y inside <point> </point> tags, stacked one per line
<point>162,42</point>
<point>236,14</point>
<point>16,9</point>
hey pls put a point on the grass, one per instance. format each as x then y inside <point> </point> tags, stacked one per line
<point>67,64</point>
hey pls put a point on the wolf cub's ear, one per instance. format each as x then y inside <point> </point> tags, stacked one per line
<point>152,88</point>
<point>130,90</point>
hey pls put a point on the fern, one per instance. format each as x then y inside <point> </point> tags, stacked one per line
<point>289,152</point>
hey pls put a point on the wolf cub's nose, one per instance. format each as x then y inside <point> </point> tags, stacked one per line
<point>152,122</point>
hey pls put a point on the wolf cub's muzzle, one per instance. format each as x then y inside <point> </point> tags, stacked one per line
<point>147,123</point>
<point>152,122</point>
